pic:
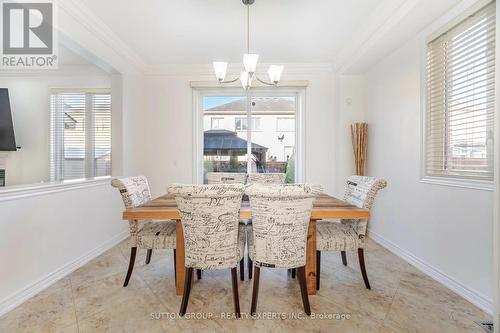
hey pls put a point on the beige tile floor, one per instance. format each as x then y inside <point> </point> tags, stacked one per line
<point>92,299</point>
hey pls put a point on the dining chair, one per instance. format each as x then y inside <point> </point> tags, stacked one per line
<point>277,237</point>
<point>348,235</point>
<point>226,178</point>
<point>266,178</point>
<point>229,178</point>
<point>262,178</point>
<point>144,234</point>
<point>213,238</point>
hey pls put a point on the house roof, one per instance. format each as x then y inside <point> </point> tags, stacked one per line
<point>260,104</point>
<point>225,141</point>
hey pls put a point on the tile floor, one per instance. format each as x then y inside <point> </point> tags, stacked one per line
<point>92,299</point>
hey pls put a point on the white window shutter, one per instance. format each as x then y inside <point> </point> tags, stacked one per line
<point>460,94</point>
<point>80,135</point>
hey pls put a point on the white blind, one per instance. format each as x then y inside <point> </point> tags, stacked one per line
<point>80,134</point>
<point>460,89</point>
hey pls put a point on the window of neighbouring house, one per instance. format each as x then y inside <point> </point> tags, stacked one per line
<point>217,123</point>
<point>241,124</point>
<point>80,134</point>
<point>460,100</point>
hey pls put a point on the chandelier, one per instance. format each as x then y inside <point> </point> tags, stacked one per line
<point>250,60</point>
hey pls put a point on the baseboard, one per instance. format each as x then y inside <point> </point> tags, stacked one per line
<point>476,298</point>
<point>12,301</point>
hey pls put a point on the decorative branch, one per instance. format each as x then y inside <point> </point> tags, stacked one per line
<point>359,137</point>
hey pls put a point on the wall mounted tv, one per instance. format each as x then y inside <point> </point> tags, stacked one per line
<point>7,138</point>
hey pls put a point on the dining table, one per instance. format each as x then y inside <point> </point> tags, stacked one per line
<point>324,207</point>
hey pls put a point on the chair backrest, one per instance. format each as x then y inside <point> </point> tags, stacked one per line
<point>361,191</point>
<point>134,190</point>
<point>209,217</point>
<point>226,178</point>
<point>280,219</point>
<point>266,178</point>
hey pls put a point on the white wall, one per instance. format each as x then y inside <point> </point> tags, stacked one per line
<point>30,105</point>
<point>168,131</point>
<point>45,236</point>
<point>447,231</point>
<point>351,107</point>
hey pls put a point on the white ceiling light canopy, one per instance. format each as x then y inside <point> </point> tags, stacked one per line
<point>250,61</point>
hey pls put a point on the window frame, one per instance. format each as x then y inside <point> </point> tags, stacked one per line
<point>89,161</point>
<point>300,99</point>
<point>453,181</point>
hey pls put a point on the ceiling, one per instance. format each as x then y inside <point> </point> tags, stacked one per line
<point>282,31</point>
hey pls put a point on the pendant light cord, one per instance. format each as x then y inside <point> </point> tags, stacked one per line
<point>248,28</point>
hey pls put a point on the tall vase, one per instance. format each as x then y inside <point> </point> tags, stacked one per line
<point>359,136</point>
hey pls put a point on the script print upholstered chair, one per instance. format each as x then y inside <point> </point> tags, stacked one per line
<point>262,178</point>
<point>277,237</point>
<point>146,234</point>
<point>229,178</point>
<point>213,238</point>
<point>226,178</point>
<point>349,235</point>
<point>266,178</point>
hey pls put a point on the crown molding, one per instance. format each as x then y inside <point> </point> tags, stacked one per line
<point>233,69</point>
<point>379,23</point>
<point>82,15</point>
<point>63,70</point>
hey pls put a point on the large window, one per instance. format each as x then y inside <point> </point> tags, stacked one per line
<point>460,88</point>
<point>268,145</point>
<point>80,134</point>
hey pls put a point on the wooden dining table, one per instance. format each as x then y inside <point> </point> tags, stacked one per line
<point>324,207</point>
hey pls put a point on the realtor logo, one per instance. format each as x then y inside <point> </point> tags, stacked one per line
<point>28,36</point>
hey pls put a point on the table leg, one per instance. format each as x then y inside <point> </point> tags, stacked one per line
<point>179,257</point>
<point>311,258</point>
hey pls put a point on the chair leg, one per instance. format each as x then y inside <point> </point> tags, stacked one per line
<point>301,271</point>
<point>255,294</point>
<point>198,274</point>
<point>133,251</point>
<point>242,269</point>
<point>175,266</point>
<point>293,273</point>
<point>148,256</point>
<point>361,258</point>
<point>318,268</point>
<point>344,258</point>
<point>250,268</point>
<point>236,298</point>
<point>187,290</point>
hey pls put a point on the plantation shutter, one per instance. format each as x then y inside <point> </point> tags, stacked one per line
<point>460,95</point>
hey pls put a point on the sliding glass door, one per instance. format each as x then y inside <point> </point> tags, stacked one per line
<point>249,133</point>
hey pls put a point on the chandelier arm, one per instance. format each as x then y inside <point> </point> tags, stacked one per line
<point>264,82</point>
<point>229,81</point>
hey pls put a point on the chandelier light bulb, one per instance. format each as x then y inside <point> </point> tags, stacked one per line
<point>220,69</point>
<point>250,62</point>
<point>245,79</point>
<point>274,73</point>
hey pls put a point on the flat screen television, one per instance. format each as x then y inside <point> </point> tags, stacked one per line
<point>7,138</point>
